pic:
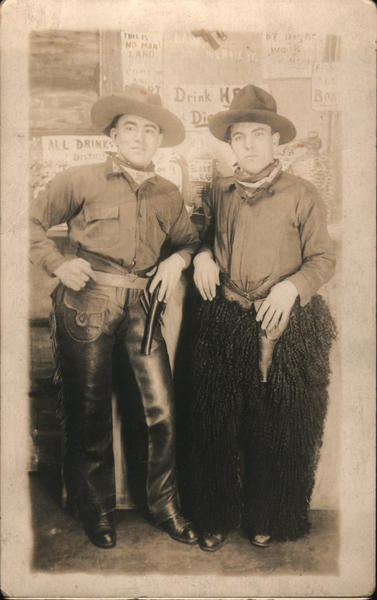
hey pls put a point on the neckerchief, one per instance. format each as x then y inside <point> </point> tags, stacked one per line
<point>245,177</point>
<point>256,186</point>
<point>138,174</point>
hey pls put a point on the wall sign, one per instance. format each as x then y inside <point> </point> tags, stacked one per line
<point>142,60</point>
<point>172,165</point>
<point>325,91</point>
<point>75,149</point>
<point>194,103</point>
<point>290,54</point>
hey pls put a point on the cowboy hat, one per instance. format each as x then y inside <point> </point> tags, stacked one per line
<point>135,100</point>
<point>251,104</point>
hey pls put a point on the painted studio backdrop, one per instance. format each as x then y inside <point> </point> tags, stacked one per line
<point>197,73</point>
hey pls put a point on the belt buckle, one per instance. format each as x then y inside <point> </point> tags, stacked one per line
<point>247,300</point>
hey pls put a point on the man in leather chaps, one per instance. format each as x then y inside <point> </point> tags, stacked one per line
<point>119,214</point>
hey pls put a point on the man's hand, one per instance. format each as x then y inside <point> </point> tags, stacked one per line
<point>75,273</point>
<point>206,275</point>
<point>169,273</point>
<point>276,308</point>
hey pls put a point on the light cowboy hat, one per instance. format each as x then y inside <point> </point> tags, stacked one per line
<point>255,105</point>
<point>135,100</point>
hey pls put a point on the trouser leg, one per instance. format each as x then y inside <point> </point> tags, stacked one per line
<point>153,376</point>
<point>85,357</point>
<point>284,430</point>
<point>216,410</point>
<point>280,462</point>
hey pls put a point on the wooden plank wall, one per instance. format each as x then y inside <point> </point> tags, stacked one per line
<point>64,79</point>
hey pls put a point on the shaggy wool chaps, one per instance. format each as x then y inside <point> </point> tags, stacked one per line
<point>255,446</point>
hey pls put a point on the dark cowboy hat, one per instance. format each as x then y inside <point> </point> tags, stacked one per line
<point>254,105</point>
<point>135,100</point>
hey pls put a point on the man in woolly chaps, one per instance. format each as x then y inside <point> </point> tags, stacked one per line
<point>261,350</point>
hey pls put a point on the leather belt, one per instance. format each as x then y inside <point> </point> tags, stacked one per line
<point>235,297</point>
<point>133,282</point>
<point>246,304</point>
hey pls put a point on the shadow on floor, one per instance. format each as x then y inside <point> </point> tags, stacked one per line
<point>60,545</point>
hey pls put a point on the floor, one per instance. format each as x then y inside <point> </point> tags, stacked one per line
<point>61,546</point>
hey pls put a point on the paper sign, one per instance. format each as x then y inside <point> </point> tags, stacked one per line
<point>325,91</point>
<point>200,169</point>
<point>194,103</point>
<point>290,54</point>
<point>172,166</point>
<point>142,59</point>
<point>71,150</point>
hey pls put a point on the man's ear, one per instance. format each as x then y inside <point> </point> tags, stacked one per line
<point>113,134</point>
<point>275,139</point>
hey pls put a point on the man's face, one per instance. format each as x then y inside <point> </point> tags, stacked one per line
<point>137,139</point>
<point>254,145</point>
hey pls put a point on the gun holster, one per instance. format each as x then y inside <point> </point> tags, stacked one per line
<point>154,309</point>
<point>267,343</point>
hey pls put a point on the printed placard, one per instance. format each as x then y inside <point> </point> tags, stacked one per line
<point>75,149</point>
<point>142,59</point>
<point>289,54</point>
<point>200,169</point>
<point>325,90</point>
<point>172,165</point>
<point>193,104</point>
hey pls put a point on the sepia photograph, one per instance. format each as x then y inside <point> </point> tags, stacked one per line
<point>188,287</point>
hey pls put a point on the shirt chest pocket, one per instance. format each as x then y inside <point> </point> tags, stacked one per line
<point>102,226</point>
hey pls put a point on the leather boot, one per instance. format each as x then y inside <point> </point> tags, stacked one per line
<point>100,529</point>
<point>180,529</point>
<point>261,540</point>
<point>210,542</point>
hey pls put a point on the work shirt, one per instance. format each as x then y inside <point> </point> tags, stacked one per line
<point>281,235</point>
<point>114,223</point>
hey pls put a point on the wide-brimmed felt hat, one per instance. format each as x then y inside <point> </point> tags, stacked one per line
<point>135,100</point>
<point>255,105</point>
